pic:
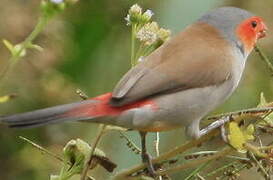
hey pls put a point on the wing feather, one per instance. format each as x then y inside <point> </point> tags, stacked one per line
<point>190,60</point>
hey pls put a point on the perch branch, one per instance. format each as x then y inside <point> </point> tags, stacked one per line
<point>168,155</point>
<point>194,143</point>
<point>195,163</point>
<point>264,58</point>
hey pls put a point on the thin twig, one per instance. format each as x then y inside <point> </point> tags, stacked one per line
<point>89,162</point>
<point>193,143</point>
<point>221,169</point>
<point>81,94</point>
<point>255,150</point>
<point>200,177</point>
<point>156,147</point>
<point>252,111</point>
<point>174,152</point>
<point>265,147</point>
<point>24,45</point>
<point>156,144</point>
<point>209,153</point>
<point>197,170</point>
<point>264,58</point>
<point>100,133</point>
<point>131,145</point>
<point>259,165</point>
<point>192,164</point>
<point>40,148</point>
<point>177,150</point>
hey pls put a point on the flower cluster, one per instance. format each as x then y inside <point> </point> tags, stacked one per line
<point>53,7</point>
<point>135,15</point>
<point>76,155</point>
<point>151,34</point>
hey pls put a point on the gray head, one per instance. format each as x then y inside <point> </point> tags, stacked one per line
<point>238,26</point>
<point>226,20</point>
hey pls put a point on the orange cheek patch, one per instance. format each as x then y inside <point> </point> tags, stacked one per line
<point>247,36</point>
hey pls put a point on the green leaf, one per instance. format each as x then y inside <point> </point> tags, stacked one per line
<point>6,98</point>
<point>37,47</point>
<point>115,128</point>
<point>77,154</point>
<point>54,177</point>
<point>263,103</point>
<point>236,137</point>
<point>8,45</point>
<point>239,136</point>
<point>248,132</point>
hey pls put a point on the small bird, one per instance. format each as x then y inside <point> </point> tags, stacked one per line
<point>175,86</point>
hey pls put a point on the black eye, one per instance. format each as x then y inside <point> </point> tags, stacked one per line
<point>253,24</point>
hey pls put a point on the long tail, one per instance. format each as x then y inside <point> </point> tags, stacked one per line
<point>83,110</point>
<point>94,109</point>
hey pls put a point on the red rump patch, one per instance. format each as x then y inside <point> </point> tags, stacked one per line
<point>102,107</point>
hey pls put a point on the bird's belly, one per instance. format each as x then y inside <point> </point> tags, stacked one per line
<point>181,108</point>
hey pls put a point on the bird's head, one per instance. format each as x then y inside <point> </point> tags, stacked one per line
<point>250,30</point>
<point>238,26</point>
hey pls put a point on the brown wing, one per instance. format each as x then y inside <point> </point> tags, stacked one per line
<point>190,60</point>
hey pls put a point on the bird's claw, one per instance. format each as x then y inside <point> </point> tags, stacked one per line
<point>146,158</point>
<point>223,133</point>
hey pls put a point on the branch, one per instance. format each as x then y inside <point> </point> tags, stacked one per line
<point>251,111</point>
<point>168,155</point>
<point>188,145</point>
<point>40,148</point>
<point>89,162</point>
<point>195,163</point>
<point>264,58</point>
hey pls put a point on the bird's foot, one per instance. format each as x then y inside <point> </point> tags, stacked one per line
<point>223,134</point>
<point>147,159</point>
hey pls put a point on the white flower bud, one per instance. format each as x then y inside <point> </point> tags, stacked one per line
<point>128,20</point>
<point>148,33</point>
<point>147,15</point>
<point>164,34</point>
<point>135,9</point>
<point>56,1</point>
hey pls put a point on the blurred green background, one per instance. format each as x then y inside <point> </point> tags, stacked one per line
<point>87,47</point>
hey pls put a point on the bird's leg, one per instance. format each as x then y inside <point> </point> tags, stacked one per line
<point>216,124</point>
<point>223,133</point>
<point>146,158</point>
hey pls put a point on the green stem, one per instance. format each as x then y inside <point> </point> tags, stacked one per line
<point>234,172</point>
<point>89,162</point>
<point>38,28</point>
<point>197,170</point>
<point>220,169</point>
<point>264,58</point>
<point>266,175</point>
<point>24,45</point>
<point>139,52</point>
<point>167,155</point>
<point>148,50</point>
<point>194,163</point>
<point>133,38</point>
<point>41,149</point>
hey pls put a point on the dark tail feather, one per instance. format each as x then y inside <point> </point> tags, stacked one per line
<point>67,112</point>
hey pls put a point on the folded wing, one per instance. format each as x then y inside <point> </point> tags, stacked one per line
<point>190,60</point>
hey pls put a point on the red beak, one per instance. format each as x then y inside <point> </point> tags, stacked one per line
<point>262,32</point>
